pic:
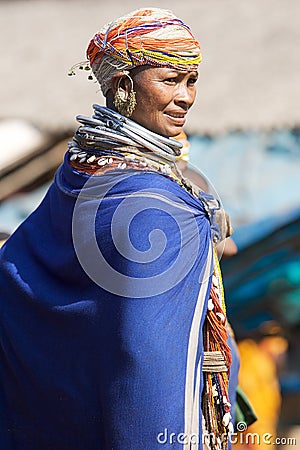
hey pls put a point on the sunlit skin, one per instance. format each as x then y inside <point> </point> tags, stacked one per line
<point>163,97</point>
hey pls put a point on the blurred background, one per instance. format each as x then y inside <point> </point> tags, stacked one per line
<point>244,135</point>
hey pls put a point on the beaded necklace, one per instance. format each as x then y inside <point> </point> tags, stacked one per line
<point>216,368</point>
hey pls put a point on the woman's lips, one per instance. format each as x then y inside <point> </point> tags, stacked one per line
<point>176,118</point>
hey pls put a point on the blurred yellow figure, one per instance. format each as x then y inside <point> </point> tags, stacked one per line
<point>184,156</point>
<point>258,379</point>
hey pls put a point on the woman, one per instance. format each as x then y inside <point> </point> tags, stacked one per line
<point>114,330</point>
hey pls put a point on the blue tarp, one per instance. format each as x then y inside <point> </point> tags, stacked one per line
<point>256,174</point>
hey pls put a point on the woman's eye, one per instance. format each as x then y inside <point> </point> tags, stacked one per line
<point>170,80</point>
<point>192,81</point>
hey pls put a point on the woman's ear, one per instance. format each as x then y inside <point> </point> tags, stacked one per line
<point>122,94</point>
<point>121,83</point>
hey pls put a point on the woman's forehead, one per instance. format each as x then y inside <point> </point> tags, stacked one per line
<point>151,71</point>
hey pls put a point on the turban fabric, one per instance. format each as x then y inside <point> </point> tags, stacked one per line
<point>149,36</point>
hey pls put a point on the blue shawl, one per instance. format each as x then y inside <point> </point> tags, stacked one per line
<point>99,350</point>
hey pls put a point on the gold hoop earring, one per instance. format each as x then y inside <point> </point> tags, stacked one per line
<point>125,106</point>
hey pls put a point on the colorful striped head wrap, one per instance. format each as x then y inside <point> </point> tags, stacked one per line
<point>148,36</point>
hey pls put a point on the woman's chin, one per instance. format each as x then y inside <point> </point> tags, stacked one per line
<point>174,131</point>
<point>168,131</point>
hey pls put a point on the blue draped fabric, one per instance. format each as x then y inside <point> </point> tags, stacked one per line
<point>98,350</point>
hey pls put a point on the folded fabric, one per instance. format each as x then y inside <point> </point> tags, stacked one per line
<point>104,290</point>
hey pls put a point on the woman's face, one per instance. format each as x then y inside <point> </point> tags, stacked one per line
<point>163,97</point>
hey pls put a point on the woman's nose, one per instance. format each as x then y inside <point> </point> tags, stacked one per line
<point>184,95</point>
